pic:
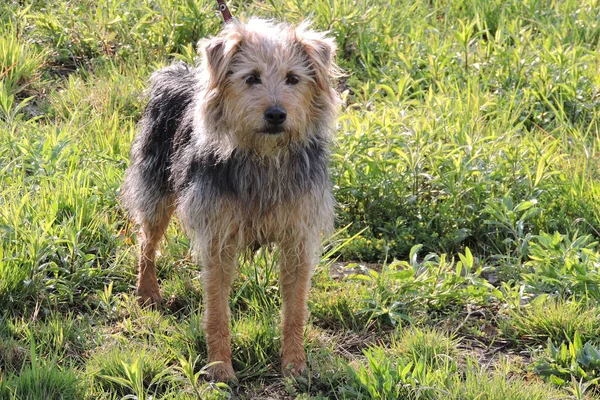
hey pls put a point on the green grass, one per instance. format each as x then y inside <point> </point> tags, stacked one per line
<point>468,186</point>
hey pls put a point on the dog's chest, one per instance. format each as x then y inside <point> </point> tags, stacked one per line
<point>258,185</point>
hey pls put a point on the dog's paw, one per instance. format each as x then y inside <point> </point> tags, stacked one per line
<point>222,372</point>
<point>293,366</point>
<point>151,298</point>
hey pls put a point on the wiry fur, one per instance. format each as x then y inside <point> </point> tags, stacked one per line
<point>205,151</point>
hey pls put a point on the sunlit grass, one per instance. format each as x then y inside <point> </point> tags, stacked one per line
<point>466,148</point>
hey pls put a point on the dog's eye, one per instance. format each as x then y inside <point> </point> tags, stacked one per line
<point>292,80</point>
<point>253,79</point>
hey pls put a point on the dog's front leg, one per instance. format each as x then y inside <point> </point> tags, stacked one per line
<point>218,273</point>
<point>296,267</point>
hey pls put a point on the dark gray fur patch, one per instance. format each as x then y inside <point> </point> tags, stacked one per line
<point>258,183</point>
<point>170,97</point>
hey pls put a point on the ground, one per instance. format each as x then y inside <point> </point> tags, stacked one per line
<point>465,262</point>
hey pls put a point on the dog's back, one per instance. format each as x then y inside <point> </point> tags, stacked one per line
<point>146,184</point>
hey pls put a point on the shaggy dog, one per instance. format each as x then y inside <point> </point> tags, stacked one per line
<point>238,148</point>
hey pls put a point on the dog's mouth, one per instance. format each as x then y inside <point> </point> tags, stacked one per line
<point>273,129</point>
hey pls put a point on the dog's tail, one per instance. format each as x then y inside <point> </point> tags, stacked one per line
<point>146,186</point>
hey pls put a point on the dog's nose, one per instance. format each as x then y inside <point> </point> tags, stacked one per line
<point>275,115</point>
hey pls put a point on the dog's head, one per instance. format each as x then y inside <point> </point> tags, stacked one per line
<point>269,85</point>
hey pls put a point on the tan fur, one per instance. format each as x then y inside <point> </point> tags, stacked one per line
<point>273,51</point>
<point>229,121</point>
<point>151,234</point>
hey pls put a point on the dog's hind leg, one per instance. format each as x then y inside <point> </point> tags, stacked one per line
<point>151,232</point>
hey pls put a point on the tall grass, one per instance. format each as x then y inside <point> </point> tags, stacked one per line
<point>465,167</point>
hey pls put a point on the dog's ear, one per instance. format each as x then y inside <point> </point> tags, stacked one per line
<point>217,54</point>
<point>320,50</point>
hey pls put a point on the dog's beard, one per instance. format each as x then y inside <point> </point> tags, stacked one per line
<point>267,144</point>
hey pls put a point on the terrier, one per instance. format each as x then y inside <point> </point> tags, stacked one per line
<point>238,148</point>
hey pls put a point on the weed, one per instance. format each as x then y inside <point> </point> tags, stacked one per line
<point>433,282</point>
<point>574,361</point>
<point>199,389</point>
<point>564,266</point>
<point>41,380</point>
<point>138,370</point>
<point>429,346</point>
<point>382,378</point>
<point>20,64</point>
<point>134,378</point>
<point>547,318</point>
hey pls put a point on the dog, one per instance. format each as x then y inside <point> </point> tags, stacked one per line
<point>238,147</point>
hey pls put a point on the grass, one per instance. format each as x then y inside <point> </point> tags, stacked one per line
<point>465,264</point>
